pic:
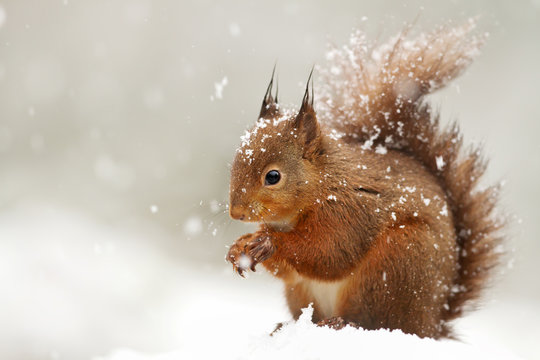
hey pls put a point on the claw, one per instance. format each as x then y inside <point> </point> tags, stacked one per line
<point>238,269</point>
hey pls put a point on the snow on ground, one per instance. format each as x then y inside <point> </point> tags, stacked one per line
<point>304,340</point>
<point>77,289</point>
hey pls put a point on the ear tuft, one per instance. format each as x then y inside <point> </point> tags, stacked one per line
<point>270,106</point>
<point>306,120</point>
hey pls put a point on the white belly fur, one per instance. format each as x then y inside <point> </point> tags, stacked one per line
<point>325,294</point>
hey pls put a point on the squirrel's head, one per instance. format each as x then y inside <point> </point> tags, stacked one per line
<point>275,166</point>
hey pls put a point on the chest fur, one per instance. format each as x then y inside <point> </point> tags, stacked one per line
<point>324,294</point>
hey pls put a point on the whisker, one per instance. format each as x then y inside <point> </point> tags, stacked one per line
<point>227,225</point>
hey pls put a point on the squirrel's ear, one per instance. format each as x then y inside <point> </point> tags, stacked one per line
<point>306,120</point>
<point>270,106</point>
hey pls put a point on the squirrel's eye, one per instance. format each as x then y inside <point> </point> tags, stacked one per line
<point>272,177</point>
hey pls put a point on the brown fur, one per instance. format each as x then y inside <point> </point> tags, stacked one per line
<point>373,194</point>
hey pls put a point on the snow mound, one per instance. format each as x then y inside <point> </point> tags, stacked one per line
<point>304,340</point>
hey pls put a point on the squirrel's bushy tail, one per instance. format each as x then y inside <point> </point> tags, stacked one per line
<point>374,95</point>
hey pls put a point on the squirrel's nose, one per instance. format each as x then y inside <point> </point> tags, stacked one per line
<point>237,213</point>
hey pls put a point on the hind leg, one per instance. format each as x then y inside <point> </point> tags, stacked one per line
<point>337,323</point>
<point>403,284</point>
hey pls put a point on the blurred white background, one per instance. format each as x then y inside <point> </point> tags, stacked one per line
<point>117,123</point>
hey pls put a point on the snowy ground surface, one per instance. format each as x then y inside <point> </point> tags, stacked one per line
<point>77,289</point>
<point>303,340</point>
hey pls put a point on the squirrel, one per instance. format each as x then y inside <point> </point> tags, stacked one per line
<point>368,208</point>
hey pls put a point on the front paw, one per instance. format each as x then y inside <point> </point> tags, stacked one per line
<point>237,254</point>
<point>260,249</point>
<point>249,250</point>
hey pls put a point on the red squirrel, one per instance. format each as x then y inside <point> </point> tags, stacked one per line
<point>368,209</point>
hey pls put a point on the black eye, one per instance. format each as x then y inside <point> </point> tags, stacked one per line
<point>272,177</point>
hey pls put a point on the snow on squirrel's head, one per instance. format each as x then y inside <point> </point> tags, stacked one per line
<point>274,165</point>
